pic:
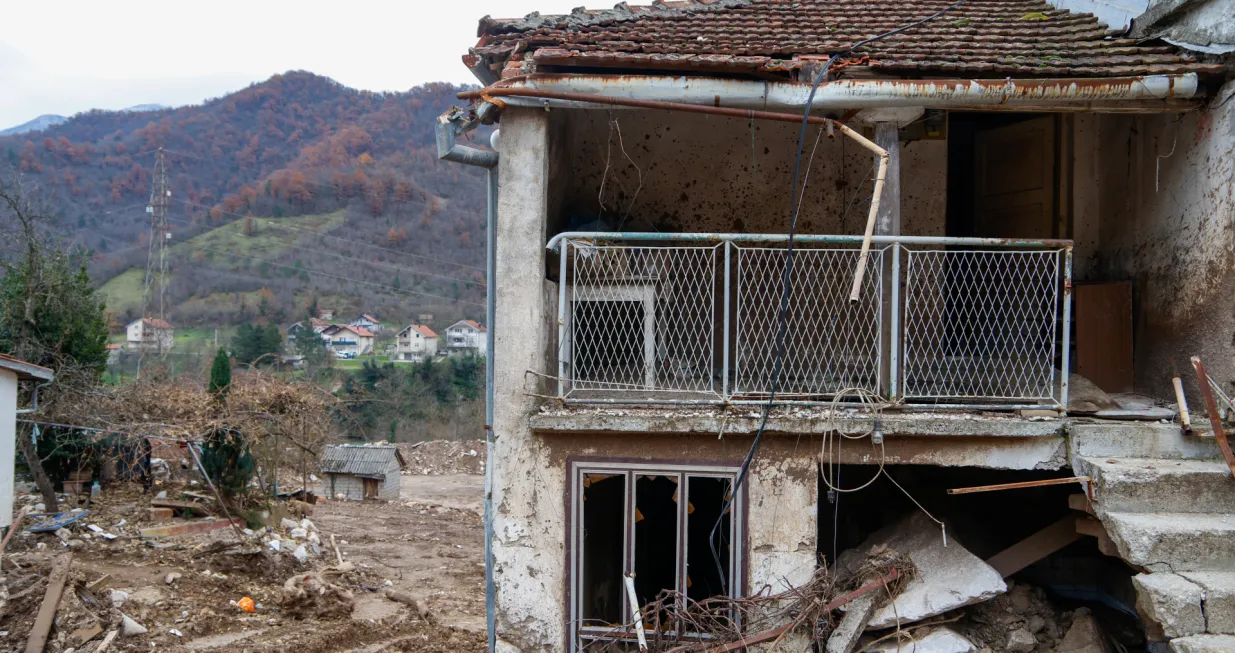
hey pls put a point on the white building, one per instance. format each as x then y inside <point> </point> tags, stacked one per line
<point>361,471</point>
<point>415,343</point>
<point>12,371</point>
<point>466,337</point>
<point>346,339</point>
<point>149,333</point>
<point>367,321</point>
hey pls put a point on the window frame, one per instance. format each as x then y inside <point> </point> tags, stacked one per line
<point>577,633</point>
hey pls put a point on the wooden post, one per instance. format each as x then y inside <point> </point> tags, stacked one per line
<point>51,601</point>
<point>1211,407</point>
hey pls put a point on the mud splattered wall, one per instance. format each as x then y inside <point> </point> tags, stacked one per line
<point>690,173</point>
<point>1155,203</point>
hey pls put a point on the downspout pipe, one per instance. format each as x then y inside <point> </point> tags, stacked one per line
<point>448,127</point>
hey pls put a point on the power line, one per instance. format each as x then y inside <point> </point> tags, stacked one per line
<point>358,260</point>
<point>346,240</point>
<point>341,278</point>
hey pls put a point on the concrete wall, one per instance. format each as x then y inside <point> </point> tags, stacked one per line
<point>352,487</point>
<point>8,443</point>
<point>1155,204</point>
<point>711,173</point>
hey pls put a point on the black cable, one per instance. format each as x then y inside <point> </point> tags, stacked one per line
<point>795,208</point>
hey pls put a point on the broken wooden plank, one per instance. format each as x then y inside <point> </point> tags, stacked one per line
<point>51,601</point>
<point>1035,547</point>
<point>1094,528</point>
<point>1081,502</point>
<point>13,528</point>
<point>1211,407</point>
<point>103,645</point>
<point>1023,484</point>
<point>186,506</point>
<point>1181,402</point>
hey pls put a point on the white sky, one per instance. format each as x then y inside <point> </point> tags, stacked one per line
<point>72,55</point>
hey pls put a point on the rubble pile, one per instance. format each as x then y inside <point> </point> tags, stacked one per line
<point>436,457</point>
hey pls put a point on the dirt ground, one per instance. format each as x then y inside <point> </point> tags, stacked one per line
<point>427,545</point>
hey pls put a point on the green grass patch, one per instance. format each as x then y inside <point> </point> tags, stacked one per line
<point>124,291</point>
<point>237,245</point>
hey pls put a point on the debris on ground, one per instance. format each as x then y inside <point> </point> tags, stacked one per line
<point>309,596</point>
<point>438,457</point>
<point>949,576</point>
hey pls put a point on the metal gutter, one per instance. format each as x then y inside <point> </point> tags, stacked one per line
<point>1161,91</point>
<point>448,127</point>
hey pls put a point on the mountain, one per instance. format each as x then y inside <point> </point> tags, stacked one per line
<point>145,107</point>
<point>293,188</point>
<point>42,122</point>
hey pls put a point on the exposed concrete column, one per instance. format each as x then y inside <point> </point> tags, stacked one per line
<point>887,124</point>
<point>528,561</point>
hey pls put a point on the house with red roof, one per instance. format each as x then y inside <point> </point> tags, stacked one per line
<point>777,284</point>
<point>466,337</point>
<point>415,343</point>
<point>149,333</point>
<point>348,340</point>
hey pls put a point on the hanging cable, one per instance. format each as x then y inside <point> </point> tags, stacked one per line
<point>795,206</point>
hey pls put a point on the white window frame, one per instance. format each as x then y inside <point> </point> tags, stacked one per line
<point>580,634</point>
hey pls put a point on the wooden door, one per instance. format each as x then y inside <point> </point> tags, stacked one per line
<point>370,488</point>
<point>1104,334</point>
<point>1014,185</point>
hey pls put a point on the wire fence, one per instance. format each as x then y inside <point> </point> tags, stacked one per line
<point>681,318</point>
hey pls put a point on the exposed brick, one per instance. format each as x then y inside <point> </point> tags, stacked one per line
<point>187,528</point>
<point>159,514</point>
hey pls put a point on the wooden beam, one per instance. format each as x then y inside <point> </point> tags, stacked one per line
<point>51,601</point>
<point>1094,528</point>
<point>1017,486</point>
<point>1211,407</point>
<point>1035,547</point>
<point>1081,502</point>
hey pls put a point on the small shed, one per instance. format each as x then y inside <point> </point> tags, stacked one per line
<point>361,471</point>
<point>12,372</point>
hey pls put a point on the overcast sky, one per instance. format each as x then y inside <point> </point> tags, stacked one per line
<point>68,56</point>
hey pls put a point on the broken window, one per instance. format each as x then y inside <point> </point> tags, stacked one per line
<point>666,527</point>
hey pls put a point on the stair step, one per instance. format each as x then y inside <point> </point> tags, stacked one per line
<point>1219,599</point>
<point>1159,484</point>
<point>1140,439</point>
<point>1174,541</point>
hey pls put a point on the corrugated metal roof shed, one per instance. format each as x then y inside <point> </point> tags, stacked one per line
<point>360,460</point>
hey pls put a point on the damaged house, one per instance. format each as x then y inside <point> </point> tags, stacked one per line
<point>946,314</point>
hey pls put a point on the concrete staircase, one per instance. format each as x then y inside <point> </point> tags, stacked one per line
<point>1167,503</point>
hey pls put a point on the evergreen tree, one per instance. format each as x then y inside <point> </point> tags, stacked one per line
<point>227,461</point>
<point>220,374</point>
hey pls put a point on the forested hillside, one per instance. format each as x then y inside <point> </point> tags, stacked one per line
<point>289,189</point>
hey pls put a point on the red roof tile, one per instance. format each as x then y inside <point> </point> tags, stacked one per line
<point>981,38</point>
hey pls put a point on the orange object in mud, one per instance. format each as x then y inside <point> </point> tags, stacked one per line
<point>245,604</point>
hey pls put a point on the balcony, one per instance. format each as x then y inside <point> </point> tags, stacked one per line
<point>960,323</point>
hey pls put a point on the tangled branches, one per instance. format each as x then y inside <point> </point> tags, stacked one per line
<point>675,623</point>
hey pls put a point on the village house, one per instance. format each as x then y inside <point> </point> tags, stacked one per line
<point>1000,238</point>
<point>349,340</point>
<point>316,325</point>
<point>415,343</point>
<point>367,321</point>
<point>12,373</point>
<point>357,472</point>
<point>149,333</point>
<point>466,337</point>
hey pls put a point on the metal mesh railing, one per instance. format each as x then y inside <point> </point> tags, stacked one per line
<point>641,319</point>
<point>940,321</point>
<point>981,324</point>
<point>830,344</point>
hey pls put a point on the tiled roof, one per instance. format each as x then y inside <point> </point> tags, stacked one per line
<point>981,38</point>
<point>361,460</point>
<point>422,329</point>
<point>156,323</point>
<point>471,323</point>
<point>25,371</point>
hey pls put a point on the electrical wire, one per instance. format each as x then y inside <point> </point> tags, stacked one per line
<point>788,269</point>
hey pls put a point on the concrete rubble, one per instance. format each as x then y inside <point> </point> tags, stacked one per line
<point>1171,601</point>
<point>948,577</point>
<point>1085,636</point>
<point>938,640</point>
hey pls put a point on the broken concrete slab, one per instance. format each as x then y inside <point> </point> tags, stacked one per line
<point>846,635</point>
<point>1219,599</point>
<point>948,577</point>
<point>1171,541</point>
<point>939,640</point>
<point>1204,644</point>
<point>1085,636</point>
<point>1171,601</point>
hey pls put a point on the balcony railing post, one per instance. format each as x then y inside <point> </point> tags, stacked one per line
<point>895,335</point>
<point>561,318</point>
<point>1064,372</point>
<point>724,361</point>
